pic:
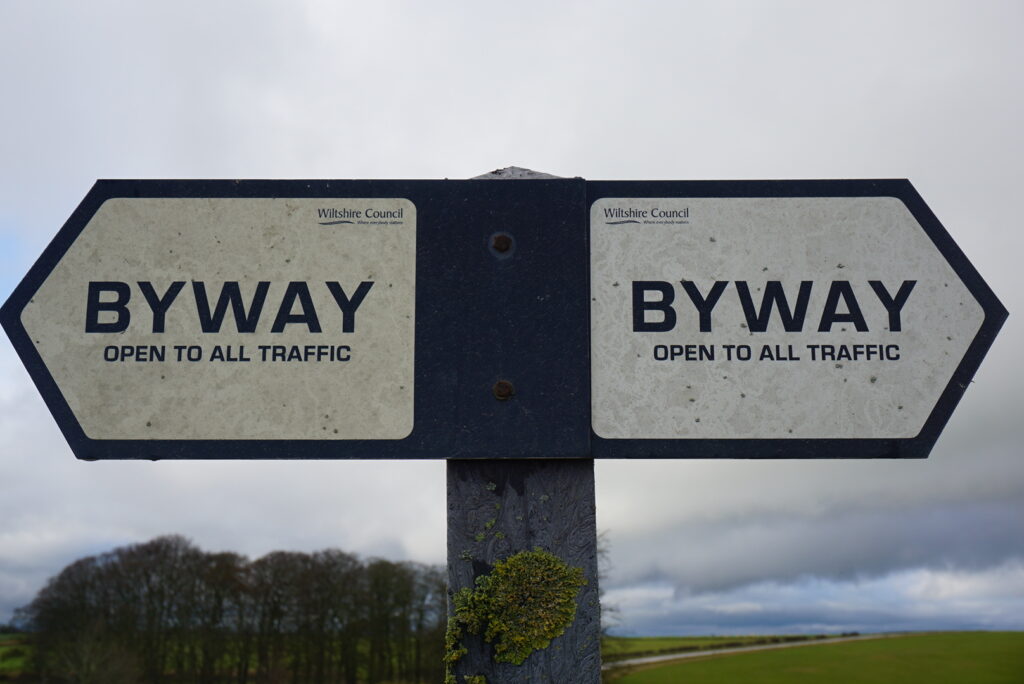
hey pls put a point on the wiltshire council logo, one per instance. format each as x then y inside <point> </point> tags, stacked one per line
<point>617,216</point>
<point>332,216</point>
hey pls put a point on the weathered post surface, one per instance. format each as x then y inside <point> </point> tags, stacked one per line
<point>499,508</point>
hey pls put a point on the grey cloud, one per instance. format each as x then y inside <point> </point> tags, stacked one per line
<point>918,599</point>
<point>718,555</point>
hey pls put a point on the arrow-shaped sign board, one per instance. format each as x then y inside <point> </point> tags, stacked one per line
<point>312,319</point>
<point>372,319</point>
<point>816,319</point>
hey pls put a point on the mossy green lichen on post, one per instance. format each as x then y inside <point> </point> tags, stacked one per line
<point>527,600</point>
<point>545,504</point>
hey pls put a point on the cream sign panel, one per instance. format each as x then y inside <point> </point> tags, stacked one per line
<point>770,318</point>
<point>256,318</point>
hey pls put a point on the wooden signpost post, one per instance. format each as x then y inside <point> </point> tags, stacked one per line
<point>519,329</point>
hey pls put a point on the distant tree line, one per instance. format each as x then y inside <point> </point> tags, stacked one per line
<point>165,611</point>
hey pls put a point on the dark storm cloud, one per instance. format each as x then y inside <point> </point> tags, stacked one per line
<point>990,598</point>
<point>717,555</point>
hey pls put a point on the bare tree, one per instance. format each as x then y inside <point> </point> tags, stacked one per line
<point>164,611</point>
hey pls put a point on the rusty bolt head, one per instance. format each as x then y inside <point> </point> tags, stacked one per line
<point>503,390</point>
<point>501,242</point>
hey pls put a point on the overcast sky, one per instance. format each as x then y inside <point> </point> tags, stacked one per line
<point>930,91</point>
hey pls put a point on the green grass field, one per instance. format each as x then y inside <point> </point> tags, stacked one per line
<point>13,653</point>
<point>941,658</point>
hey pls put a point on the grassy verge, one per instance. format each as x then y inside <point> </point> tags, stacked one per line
<point>936,658</point>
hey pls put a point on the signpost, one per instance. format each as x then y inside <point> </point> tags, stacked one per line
<point>495,324</point>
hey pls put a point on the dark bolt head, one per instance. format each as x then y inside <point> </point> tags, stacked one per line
<point>501,242</point>
<point>503,390</point>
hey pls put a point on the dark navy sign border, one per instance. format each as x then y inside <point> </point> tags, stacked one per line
<point>915,447</point>
<point>483,316</point>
